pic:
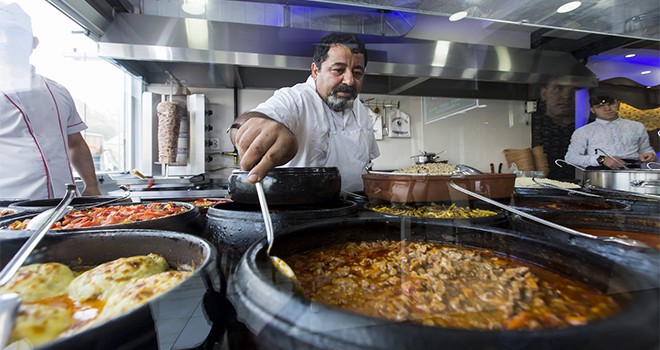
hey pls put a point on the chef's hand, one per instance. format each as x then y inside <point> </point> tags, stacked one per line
<point>610,163</point>
<point>648,157</point>
<point>263,144</point>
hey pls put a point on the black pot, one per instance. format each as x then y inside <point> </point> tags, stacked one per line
<point>542,204</point>
<point>234,227</point>
<point>39,205</point>
<point>187,316</point>
<point>501,219</point>
<point>288,186</point>
<point>188,222</point>
<point>627,223</point>
<point>278,319</point>
<point>5,202</point>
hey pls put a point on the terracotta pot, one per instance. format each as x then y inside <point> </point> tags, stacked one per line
<point>421,188</point>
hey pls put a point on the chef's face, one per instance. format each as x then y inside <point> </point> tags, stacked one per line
<point>559,99</point>
<point>606,110</point>
<point>16,47</point>
<point>339,79</point>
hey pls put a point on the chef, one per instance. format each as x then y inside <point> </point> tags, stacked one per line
<point>39,126</point>
<point>625,140</point>
<point>318,123</point>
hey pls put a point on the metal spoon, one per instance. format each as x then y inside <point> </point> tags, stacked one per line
<point>10,302</point>
<point>279,264</point>
<point>624,241</point>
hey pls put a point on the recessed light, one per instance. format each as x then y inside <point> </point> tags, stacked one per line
<point>645,72</point>
<point>630,55</point>
<point>569,6</point>
<point>458,16</point>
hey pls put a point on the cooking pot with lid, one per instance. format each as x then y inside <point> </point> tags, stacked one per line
<point>278,319</point>
<point>428,157</point>
<point>631,180</point>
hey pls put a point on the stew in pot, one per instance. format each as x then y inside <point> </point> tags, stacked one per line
<point>445,285</point>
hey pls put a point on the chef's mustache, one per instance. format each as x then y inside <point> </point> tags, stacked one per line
<point>344,88</point>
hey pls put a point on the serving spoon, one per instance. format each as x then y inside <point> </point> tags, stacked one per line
<point>9,302</point>
<point>279,264</point>
<point>623,241</point>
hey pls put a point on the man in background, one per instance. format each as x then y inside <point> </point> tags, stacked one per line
<point>39,126</point>
<point>553,125</point>
<point>625,140</point>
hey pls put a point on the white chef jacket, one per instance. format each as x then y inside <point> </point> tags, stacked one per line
<point>621,138</point>
<point>325,138</point>
<point>34,128</point>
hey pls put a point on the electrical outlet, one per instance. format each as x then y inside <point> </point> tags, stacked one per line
<point>214,143</point>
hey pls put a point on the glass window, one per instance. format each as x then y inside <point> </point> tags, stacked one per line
<point>66,55</point>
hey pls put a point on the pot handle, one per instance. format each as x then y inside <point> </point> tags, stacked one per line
<point>645,183</point>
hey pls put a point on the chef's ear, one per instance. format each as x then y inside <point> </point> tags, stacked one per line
<point>315,70</point>
<point>35,42</point>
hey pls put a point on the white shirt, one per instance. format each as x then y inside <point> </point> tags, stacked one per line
<point>325,138</point>
<point>34,128</point>
<point>621,138</point>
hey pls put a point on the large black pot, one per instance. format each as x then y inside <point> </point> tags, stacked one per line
<point>542,204</point>
<point>626,223</point>
<point>278,319</point>
<point>39,205</point>
<point>234,227</point>
<point>5,202</point>
<point>188,316</point>
<point>188,222</point>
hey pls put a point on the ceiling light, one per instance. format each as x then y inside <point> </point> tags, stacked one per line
<point>645,72</point>
<point>630,55</point>
<point>569,6</point>
<point>458,16</point>
<point>194,7</point>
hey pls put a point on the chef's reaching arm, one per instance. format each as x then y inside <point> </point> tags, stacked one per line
<point>262,143</point>
<point>81,159</point>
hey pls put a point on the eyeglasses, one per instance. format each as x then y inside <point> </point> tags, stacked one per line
<point>604,103</point>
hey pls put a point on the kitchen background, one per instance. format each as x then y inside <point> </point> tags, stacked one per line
<point>108,52</point>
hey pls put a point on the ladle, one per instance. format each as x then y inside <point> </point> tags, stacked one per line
<point>624,241</point>
<point>609,156</point>
<point>10,302</point>
<point>555,187</point>
<point>279,264</point>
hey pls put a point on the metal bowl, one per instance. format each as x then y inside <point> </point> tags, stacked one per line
<point>288,186</point>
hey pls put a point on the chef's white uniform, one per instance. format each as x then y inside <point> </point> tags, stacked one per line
<point>34,128</point>
<point>325,138</point>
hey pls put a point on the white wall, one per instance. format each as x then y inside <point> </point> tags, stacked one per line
<point>475,138</point>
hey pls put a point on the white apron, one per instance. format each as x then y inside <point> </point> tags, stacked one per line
<point>342,146</point>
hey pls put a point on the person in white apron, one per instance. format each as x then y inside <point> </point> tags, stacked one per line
<point>318,123</point>
<point>39,125</point>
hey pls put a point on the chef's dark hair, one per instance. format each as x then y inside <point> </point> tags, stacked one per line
<point>601,98</point>
<point>344,39</point>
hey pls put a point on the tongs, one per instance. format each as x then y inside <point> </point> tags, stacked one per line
<point>623,241</point>
<point>555,187</point>
<point>10,302</point>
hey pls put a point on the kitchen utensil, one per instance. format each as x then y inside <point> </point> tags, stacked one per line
<point>288,186</point>
<point>11,301</point>
<point>609,156</point>
<point>467,170</point>
<point>492,168</point>
<point>279,264</point>
<point>555,187</point>
<point>624,241</point>
<point>642,182</point>
<point>499,168</point>
<point>426,157</point>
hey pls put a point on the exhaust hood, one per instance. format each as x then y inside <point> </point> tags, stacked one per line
<point>234,55</point>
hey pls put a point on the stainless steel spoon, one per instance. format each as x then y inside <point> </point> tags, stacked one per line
<point>10,302</point>
<point>279,264</point>
<point>624,241</point>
